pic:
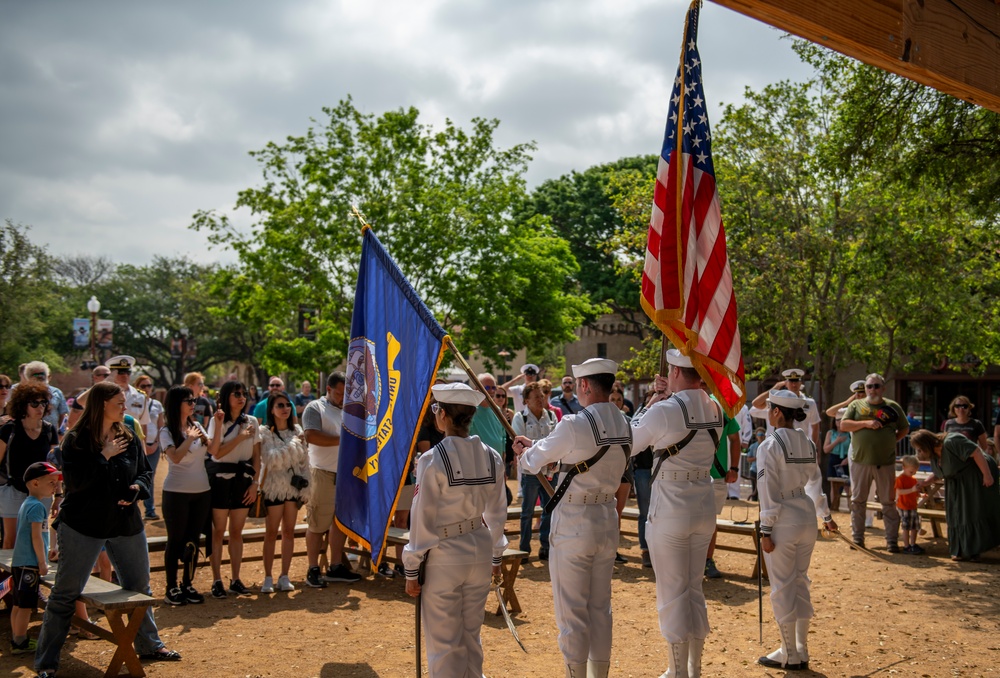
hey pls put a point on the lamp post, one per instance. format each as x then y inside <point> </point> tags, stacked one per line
<point>93,306</point>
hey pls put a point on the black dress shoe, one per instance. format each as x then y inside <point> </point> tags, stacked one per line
<point>772,664</point>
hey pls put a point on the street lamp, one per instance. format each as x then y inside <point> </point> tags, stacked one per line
<point>93,306</point>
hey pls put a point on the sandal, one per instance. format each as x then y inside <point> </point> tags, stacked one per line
<point>162,655</point>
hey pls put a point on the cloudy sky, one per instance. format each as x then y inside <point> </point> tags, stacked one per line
<point>121,119</point>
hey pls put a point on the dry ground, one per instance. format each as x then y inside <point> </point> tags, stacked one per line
<point>918,616</point>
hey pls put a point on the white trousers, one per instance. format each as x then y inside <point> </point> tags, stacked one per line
<point>788,571</point>
<point>453,603</point>
<point>582,543</point>
<point>678,546</point>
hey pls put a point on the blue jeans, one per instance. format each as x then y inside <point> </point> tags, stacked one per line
<point>77,556</point>
<point>154,461</point>
<point>642,477</point>
<point>532,490</point>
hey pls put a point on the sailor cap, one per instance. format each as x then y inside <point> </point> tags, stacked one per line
<point>793,373</point>
<point>595,366</point>
<point>457,394</point>
<point>121,362</point>
<point>786,398</point>
<point>678,359</point>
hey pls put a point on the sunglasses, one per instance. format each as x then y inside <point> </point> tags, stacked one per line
<point>145,384</point>
<point>282,406</point>
<point>190,401</point>
<point>567,383</point>
<point>873,386</point>
<point>793,380</point>
<point>124,371</point>
<point>961,406</point>
<point>38,403</point>
<point>274,385</point>
<point>239,394</point>
<point>5,387</point>
<point>489,388</point>
<point>500,396</point>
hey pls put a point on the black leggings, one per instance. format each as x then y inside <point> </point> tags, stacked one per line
<point>185,515</point>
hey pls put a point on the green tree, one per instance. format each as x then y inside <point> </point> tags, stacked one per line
<point>582,210</point>
<point>442,202</point>
<point>27,299</point>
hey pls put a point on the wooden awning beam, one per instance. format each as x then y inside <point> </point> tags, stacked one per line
<point>950,45</point>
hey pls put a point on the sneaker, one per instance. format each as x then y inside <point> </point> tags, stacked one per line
<point>218,590</point>
<point>341,574</point>
<point>711,571</point>
<point>268,585</point>
<point>914,549</point>
<point>400,571</point>
<point>386,571</point>
<point>892,547</point>
<point>26,647</point>
<point>619,558</point>
<point>646,562</point>
<point>152,516</point>
<point>314,579</point>
<point>175,597</point>
<point>192,596</point>
<point>237,587</point>
<point>284,584</point>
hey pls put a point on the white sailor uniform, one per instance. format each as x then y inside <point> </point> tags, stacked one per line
<point>460,491</point>
<point>789,486</point>
<point>812,416</point>
<point>584,534</point>
<point>681,517</point>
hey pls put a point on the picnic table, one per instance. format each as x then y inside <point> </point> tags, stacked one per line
<point>123,609</point>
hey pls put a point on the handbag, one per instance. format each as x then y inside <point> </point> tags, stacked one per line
<point>258,509</point>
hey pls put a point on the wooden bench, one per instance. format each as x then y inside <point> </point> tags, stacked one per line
<point>250,536</point>
<point>724,526</point>
<point>936,517</point>
<point>510,565</point>
<point>124,610</point>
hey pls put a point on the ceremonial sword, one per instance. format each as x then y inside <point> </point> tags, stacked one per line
<point>497,583</point>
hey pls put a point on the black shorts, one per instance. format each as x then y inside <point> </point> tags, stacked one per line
<point>276,502</point>
<point>228,493</point>
<point>25,591</point>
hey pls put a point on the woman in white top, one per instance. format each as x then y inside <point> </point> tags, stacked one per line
<point>233,471</point>
<point>285,483</point>
<point>789,486</point>
<point>460,486</point>
<point>186,494</point>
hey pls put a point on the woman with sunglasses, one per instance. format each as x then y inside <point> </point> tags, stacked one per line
<point>284,463</point>
<point>106,474</point>
<point>461,492</point>
<point>144,384</point>
<point>960,421</point>
<point>233,471</point>
<point>25,439</point>
<point>186,498</point>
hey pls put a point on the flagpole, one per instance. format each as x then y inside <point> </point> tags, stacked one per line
<point>679,157</point>
<point>546,485</point>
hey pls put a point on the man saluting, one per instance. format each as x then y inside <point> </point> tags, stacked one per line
<point>593,447</point>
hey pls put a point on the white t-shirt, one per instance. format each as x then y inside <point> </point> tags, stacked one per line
<point>155,410</point>
<point>322,415</point>
<point>516,392</point>
<point>244,450</point>
<point>188,475</point>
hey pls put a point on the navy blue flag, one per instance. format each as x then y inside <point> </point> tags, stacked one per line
<point>395,350</point>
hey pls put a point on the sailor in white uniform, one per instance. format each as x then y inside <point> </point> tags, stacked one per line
<point>793,383</point>
<point>456,528</point>
<point>684,431</point>
<point>789,486</point>
<point>593,447</point>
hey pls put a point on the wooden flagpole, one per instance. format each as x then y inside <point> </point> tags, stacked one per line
<point>546,485</point>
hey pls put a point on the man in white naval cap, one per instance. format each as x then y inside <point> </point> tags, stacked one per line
<point>793,383</point>
<point>593,447</point>
<point>136,402</point>
<point>684,430</point>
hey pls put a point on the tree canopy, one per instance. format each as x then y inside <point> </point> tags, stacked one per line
<point>441,201</point>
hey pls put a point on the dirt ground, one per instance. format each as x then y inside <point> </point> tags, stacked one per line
<point>915,616</point>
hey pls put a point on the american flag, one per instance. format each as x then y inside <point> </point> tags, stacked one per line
<point>687,287</point>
